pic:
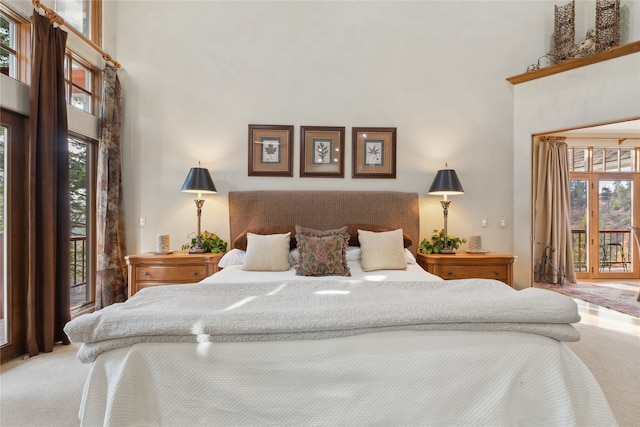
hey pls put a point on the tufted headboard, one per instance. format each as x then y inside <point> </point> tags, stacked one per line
<point>324,210</point>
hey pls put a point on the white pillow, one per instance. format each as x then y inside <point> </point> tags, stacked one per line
<point>268,252</point>
<point>382,251</point>
<point>232,257</point>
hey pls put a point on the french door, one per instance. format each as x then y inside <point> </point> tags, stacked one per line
<point>603,208</point>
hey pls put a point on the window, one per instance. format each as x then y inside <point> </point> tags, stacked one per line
<point>82,81</point>
<point>604,204</point>
<point>82,180</point>
<point>14,45</point>
<point>83,15</point>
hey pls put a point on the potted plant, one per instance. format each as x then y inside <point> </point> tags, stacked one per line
<point>436,243</point>
<point>210,242</point>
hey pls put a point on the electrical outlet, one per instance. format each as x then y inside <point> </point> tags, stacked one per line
<point>484,223</point>
<point>503,222</point>
<point>143,221</point>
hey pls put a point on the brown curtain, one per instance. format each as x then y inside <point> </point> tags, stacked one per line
<point>111,284</point>
<point>48,245</point>
<point>552,215</point>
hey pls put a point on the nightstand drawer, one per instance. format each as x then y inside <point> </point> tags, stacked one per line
<point>466,266</point>
<point>168,273</point>
<point>147,270</point>
<point>484,272</point>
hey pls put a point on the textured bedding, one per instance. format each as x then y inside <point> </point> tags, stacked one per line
<point>303,309</point>
<point>401,378</point>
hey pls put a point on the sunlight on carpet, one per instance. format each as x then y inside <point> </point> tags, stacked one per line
<point>616,296</point>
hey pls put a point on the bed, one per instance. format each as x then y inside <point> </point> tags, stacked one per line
<point>379,342</point>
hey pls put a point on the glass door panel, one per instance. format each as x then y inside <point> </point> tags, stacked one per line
<point>579,199</point>
<point>614,219</point>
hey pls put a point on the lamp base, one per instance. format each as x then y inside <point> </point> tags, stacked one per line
<point>196,251</point>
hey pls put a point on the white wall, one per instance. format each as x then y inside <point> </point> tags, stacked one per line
<point>195,74</point>
<point>603,92</point>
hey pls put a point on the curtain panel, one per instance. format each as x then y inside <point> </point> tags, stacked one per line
<point>111,277</point>
<point>552,214</point>
<point>48,231</point>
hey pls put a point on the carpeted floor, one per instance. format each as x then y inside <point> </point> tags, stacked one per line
<point>621,297</point>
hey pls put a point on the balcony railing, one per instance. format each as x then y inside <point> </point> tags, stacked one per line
<point>614,248</point>
<point>78,270</point>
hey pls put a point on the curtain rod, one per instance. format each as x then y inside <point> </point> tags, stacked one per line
<point>54,17</point>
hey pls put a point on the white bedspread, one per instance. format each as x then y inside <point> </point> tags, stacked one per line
<point>395,378</point>
<point>295,310</point>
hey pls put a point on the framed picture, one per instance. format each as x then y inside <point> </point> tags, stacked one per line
<point>374,152</point>
<point>321,151</point>
<point>270,150</point>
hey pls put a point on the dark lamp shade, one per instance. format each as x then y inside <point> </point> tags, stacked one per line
<point>199,181</point>
<point>446,183</point>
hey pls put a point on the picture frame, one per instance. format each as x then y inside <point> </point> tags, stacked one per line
<point>270,150</point>
<point>322,151</point>
<point>374,152</point>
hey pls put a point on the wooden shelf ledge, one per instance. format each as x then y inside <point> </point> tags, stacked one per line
<point>614,52</point>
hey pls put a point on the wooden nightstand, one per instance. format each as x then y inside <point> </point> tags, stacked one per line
<point>177,268</point>
<point>462,265</point>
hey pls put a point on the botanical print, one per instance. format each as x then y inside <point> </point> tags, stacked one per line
<point>322,149</point>
<point>270,150</point>
<point>374,152</point>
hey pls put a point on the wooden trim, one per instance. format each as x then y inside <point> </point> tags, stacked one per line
<point>15,226</point>
<point>96,21</point>
<point>614,52</point>
<point>23,43</point>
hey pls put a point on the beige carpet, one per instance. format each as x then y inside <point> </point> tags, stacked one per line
<point>45,390</point>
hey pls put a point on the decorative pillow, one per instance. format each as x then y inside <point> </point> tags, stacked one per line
<point>322,253</point>
<point>232,257</point>
<point>382,251</point>
<point>267,252</point>
<point>240,242</point>
<point>352,229</point>
<point>301,229</point>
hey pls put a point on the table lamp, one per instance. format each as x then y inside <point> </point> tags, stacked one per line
<point>198,181</point>
<point>446,183</point>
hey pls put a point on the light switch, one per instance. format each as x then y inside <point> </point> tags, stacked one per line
<point>484,223</point>
<point>143,221</point>
<point>503,222</point>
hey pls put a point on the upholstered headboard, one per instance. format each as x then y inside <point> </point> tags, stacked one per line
<point>324,210</point>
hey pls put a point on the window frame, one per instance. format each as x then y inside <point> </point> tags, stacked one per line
<point>23,43</point>
<point>94,19</point>
<point>96,82</point>
<point>91,233</point>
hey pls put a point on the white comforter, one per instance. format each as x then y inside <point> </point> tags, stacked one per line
<point>302,309</point>
<point>392,368</point>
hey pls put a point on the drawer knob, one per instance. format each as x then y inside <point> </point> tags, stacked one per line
<point>195,273</point>
<point>146,273</point>
<point>497,273</point>
<point>449,273</point>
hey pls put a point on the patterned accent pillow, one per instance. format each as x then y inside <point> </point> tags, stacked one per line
<point>322,253</point>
